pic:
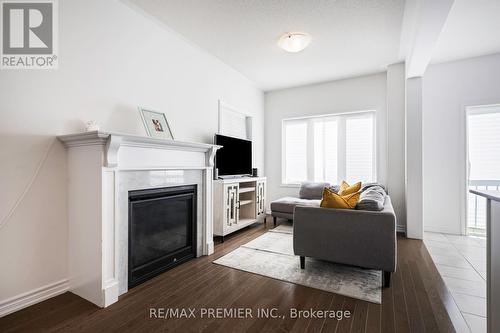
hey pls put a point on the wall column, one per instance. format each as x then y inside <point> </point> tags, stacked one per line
<point>414,166</point>
<point>396,132</point>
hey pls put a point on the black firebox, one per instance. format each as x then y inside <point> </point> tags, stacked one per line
<point>162,230</point>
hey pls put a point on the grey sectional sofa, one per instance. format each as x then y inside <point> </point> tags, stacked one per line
<point>347,236</point>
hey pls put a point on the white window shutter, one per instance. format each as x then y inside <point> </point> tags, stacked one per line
<point>484,146</point>
<point>329,148</point>
<point>295,152</point>
<point>359,149</point>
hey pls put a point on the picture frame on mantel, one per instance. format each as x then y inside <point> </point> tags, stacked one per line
<point>156,124</point>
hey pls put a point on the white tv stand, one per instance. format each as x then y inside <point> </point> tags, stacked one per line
<point>238,202</point>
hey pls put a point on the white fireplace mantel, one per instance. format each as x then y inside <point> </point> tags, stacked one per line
<point>114,141</point>
<point>102,168</point>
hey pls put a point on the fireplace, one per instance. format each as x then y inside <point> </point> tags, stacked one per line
<point>162,230</point>
<point>103,170</point>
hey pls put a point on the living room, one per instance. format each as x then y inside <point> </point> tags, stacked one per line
<point>249,165</point>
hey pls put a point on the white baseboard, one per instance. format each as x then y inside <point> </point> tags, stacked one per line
<point>24,300</point>
<point>210,247</point>
<point>441,230</point>
<point>110,293</point>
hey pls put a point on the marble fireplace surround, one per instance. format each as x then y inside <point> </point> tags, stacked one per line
<point>102,168</point>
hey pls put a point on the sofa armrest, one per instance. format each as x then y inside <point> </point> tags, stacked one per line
<point>355,237</point>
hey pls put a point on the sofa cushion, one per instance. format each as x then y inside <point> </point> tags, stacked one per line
<point>310,190</point>
<point>334,188</point>
<point>372,198</point>
<point>346,189</point>
<point>334,200</point>
<point>287,204</point>
<point>366,186</point>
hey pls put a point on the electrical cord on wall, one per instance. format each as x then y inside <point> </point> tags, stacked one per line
<point>40,164</point>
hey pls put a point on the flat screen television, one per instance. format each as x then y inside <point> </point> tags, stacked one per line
<point>235,156</point>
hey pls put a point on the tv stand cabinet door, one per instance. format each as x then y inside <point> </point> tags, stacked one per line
<point>261,198</point>
<point>231,205</point>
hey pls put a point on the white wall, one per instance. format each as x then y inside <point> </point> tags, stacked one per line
<point>112,59</point>
<point>396,84</point>
<point>447,89</point>
<point>361,93</point>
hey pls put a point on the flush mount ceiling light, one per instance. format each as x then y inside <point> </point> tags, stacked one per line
<point>294,41</point>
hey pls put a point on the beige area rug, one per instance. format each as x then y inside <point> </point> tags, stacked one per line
<point>272,255</point>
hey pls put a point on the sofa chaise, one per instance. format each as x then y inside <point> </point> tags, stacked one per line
<point>309,195</point>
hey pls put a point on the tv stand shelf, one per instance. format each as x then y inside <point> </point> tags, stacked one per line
<point>247,189</point>
<point>238,202</point>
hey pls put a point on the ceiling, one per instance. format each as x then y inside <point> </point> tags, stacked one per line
<point>349,37</point>
<point>472,29</point>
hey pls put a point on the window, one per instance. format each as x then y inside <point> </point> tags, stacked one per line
<point>329,148</point>
<point>484,143</point>
<point>483,129</point>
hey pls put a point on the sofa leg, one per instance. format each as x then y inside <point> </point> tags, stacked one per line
<point>386,279</point>
<point>302,262</point>
<point>274,220</point>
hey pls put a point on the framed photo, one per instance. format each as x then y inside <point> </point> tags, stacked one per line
<point>156,124</point>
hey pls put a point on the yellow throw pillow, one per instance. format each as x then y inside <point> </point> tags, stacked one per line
<point>346,189</point>
<point>333,200</point>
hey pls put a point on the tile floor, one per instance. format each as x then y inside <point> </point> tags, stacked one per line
<point>461,261</point>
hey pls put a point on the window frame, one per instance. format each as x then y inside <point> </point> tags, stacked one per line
<point>341,142</point>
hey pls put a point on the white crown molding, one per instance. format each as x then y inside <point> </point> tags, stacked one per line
<point>34,296</point>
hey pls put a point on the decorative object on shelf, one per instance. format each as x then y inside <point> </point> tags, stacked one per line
<point>91,126</point>
<point>156,124</point>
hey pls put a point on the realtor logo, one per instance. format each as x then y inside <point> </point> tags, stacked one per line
<point>29,34</point>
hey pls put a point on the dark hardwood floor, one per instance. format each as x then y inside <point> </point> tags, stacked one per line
<point>417,301</point>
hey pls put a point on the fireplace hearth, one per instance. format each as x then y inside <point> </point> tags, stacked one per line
<point>162,230</point>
